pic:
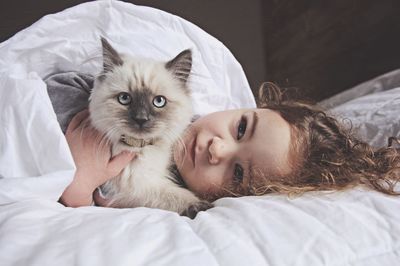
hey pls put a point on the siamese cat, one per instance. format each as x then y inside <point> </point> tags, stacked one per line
<point>143,105</point>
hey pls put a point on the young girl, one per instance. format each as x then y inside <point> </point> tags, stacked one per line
<point>284,146</point>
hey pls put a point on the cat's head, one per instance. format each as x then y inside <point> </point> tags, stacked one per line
<point>141,98</point>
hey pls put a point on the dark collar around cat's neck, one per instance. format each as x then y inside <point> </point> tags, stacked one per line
<point>133,142</point>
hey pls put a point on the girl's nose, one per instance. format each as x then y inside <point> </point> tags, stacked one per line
<point>219,150</point>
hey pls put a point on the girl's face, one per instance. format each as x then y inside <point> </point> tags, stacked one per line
<point>224,149</point>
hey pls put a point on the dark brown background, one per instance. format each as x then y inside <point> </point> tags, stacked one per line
<point>322,47</point>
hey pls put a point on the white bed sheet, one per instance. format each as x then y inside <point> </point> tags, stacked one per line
<point>355,228</point>
<point>352,228</point>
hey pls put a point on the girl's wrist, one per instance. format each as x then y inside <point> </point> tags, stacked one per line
<point>79,192</point>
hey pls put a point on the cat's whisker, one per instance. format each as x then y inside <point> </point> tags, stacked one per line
<point>170,134</point>
<point>178,139</point>
<point>167,134</point>
<point>111,131</point>
<point>84,124</point>
<point>105,119</point>
<point>100,139</point>
<point>104,139</point>
<point>102,142</point>
<point>183,145</point>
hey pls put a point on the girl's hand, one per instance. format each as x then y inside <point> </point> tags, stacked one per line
<point>92,157</point>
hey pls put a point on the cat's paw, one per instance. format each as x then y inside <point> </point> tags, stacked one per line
<point>100,199</point>
<point>199,206</point>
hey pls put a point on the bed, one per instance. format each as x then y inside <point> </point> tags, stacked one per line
<point>356,227</point>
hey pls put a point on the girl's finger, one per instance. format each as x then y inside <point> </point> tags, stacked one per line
<point>119,162</point>
<point>77,120</point>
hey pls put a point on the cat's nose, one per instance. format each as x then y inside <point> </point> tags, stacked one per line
<point>141,120</point>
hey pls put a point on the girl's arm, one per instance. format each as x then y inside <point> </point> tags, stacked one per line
<point>92,157</point>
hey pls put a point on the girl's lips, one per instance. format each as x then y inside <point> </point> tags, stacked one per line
<point>193,151</point>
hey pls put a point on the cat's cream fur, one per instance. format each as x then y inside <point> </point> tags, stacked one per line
<point>144,182</point>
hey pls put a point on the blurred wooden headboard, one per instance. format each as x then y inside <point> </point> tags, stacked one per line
<point>324,47</point>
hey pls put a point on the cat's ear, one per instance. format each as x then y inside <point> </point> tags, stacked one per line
<point>181,65</point>
<point>111,58</point>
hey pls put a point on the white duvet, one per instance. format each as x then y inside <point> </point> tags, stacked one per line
<point>352,228</point>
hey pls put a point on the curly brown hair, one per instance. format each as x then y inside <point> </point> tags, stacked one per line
<point>324,154</point>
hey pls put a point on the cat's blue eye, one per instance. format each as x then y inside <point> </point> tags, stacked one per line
<point>241,128</point>
<point>124,98</point>
<point>159,101</point>
<point>238,173</point>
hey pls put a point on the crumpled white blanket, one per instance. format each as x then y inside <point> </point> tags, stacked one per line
<point>352,228</point>
<point>375,117</point>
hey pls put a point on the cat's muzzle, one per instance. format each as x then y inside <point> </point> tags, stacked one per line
<point>134,142</point>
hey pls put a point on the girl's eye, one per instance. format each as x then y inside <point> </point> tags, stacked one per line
<point>124,98</point>
<point>159,101</point>
<point>238,174</point>
<point>241,128</point>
